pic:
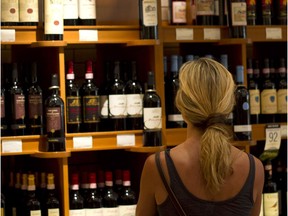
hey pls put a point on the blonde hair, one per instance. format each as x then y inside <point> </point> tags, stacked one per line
<point>206,98</point>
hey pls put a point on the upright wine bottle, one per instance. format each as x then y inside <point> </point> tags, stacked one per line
<point>76,201</point>
<point>35,104</point>
<point>87,12</point>
<point>73,102</point>
<point>178,12</point>
<point>52,204</point>
<point>282,92</point>
<point>16,99</point>
<point>53,21</point>
<point>152,114</point>
<point>148,18</point>
<point>241,112</point>
<point>3,204</point>
<point>237,18</point>
<point>266,12</point>
<point>70,12</point>
<point>84,184</point>
<point>281,12</point>
<point>33,206</point>
<point>117,101</point>
<point>90,101</point>
<point>54,112</point>
<point>41,193</point>
<point>118,182</point>
<point>101,182</point>
<point>9,13</point>
<point>134,94</point>
<point>16,203</point>
<point>251,12</point>
<point>28,13</point>
<point>205,12</point>
<point>3,112</point>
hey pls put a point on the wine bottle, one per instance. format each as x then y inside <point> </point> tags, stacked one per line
<point>52,204</point>
<point>33,206</point>
<point>53,21</point>
<point>35,104</point>
<point>282,92</point>
<point>148,19</point>
<point>270,193</point>
<point>55,127</point>
<point>134,93</point>
<point>41,192</point>
<point>205,12</point>
<point>178,12</point>
<point>93,202</point>
<point>76,201</point>
<point>222,14</point>
<point>118,182</point>
<point>70,12</point>
<point>237,20</point>
<point>127,199</point>
<point>84,185</point>
<point>268,96</point>
<point>16,99</point>
<point>3,112</point>
<point>28,13</point>
<point>16,202</point>
<point>110,198</point>
<point>87,12</point>
<point>100,182</point>
<point>241,111</point>
<point>251,12</point>
<point>152,114</point>
<point>266,12</point>
<point>73,102</point>
<point>281,12</point>
<point>3,204</point>
<point>117,101</point>
<point>9,13</point>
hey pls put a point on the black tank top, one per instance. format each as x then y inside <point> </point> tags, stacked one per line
<point>239,205</point>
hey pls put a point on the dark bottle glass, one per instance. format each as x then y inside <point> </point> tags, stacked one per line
<point>35,104</point>
<point>53,22</point>
<point>73,102</point>
<point>134,93</point>
<point>148,19</point>
<point>3,111</point>
<point>110,198</point>
<point>270,192</point>
<point>282,92</point>
<point>178,12</point>
<point>87,12</point>
<point>16,202</point>
<point>118,182</point>
<point>127,198</point>
<point>41,191</point>
<point>101,182</point>
<point>28,13</point>
<point>117,101</point>
<point>237,18</point>
<point>251,12</point>
<point>9,13</point>
<point>280,12</point>
<point>33,206</point>
<point>76,201</point>
<point>93,202</point>
<point>16,99</point>
<point>3,204</point>
<point>205,11</point>
<point>268,96</point>
<point>23,193</point>
<point>51,204</point>
<point>54,112</point>
<point>84,184</point>
<point>152,114</point>
<point>241,111</point>
<point>90,101</point>
<point>266,12</point>
<point>174,117</point>
<point>221,17</point>
<point>70,13</point>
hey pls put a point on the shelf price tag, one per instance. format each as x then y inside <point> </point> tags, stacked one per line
<point>126,140</point>
<point>88,35</point>
<point>184,34</point>
<point>273,33</point>
<point>10,146</point>
<point>283,131</point>
<point>82,142</point>
<point>8,35</point>
<point>212,34</point>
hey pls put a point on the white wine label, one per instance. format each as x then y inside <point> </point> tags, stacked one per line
<point>270,203</point>
<point>238,13</point>
<point>127,210</point>
<point>205,7</point>
<point>104,106</point>
<point>117,105</point>
<point>254,101</point>
<point>110,211</point>
<point>53,17</point>
<point>152,118</point>
<point>70,9</point>
<point>269,101</point>
<point>150,12</point>
<point>175,117</point>
<point>282,101</point>
<point>54,212</point>
<point>134,104</point>
<point>77,212</point>
<point>9,11</point>
<point>28,11</point>
<point>94,212</point>
<point>11,146</point>
<point>87,9</point>
<point>35,213</point>
<point>179,12</point>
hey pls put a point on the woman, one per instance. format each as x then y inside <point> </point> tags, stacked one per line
<point>208,175</point>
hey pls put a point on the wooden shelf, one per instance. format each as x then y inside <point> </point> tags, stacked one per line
<point>23,34</point>
<point>147,149</point>
<point>52,154</point>
<point>267,33</point>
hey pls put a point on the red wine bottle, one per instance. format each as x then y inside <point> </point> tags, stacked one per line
<point>281,12</point>
<point>53,21</point>
<point>101,182</point>
<point>178,12</point>
<point>87,12</point>
<point>205,12</point>
<point>282,92</point>
<point>266,12</point>
<point>148,19</point>
<point>110,198</point>
<point>84,184</point>
<point>52,204</point>
<point>32,206</point>
<point>76,201</point>
<point>35,104</point>
<point>152,114</point>
<point>28,13</point>
<point>3,112</point>
<point>9,13</point>
<point>118,182</point>
<point>54,112</point>
<point>251,12</point>
<point>70,12</point>
<point>73,102</point>
<point>237,18</point>
<point>90,101</point>
<point>241,112</point>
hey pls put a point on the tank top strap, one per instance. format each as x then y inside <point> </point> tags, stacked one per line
<point>251,176</point>
<point>173,174</point>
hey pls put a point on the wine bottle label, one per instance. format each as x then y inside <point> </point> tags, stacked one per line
<point>150,13</point>
<point>53,17</point>
<point>238,13</point>
<point>179,11</point>
<point>73,109</point>
<point>53,118</point>
<point>19,106</point>
<point>110,211</point>
<point>254,101</point>
<point>14,211</point>
<point>35,213</point>
<point>35,106</point>
<point>104,106</point>
<point>261,206</point>
<point>2,111</point>
<point>91,109</point>
<point>117,106</point>
<point>54,212</point>
<point>175,117</point>
<point>269,101</point>
<point>77,212</point>
<point>270,203</point>
<point>134,105</point>
<point>205,7</point>
<point>87,9</point>
<point>242,128</point>
<point>282,101</point>
<point>152,118</point>
<point>94,212</point>
<point>127,210</point>
<point>70,9</point>
<point>29,11</point>
<point>9,11</point>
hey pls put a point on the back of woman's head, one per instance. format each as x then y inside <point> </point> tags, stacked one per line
<point>206,98</point>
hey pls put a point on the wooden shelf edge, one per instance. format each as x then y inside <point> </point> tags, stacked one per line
<point>49,44</point>
<point>52,154</point>
<point>147,149</point>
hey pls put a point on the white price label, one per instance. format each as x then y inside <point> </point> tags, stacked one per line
<point>184,34</point>
<point>82,142</point>
<point>273,138</point>
<point>126,140</point>
<point>11,146</point>
<point>212,34</point>
<point>88,35</point>
<point>273,33</point>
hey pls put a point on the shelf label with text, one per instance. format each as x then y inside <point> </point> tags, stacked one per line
<point>126,140</point>
<point>283,131</point>
<point>273,33</point>
<point>10,146</point>
<point>212,34</point>
<point>88,35</point>
<point>8,35</point>
<point>82,142</point>
<point>184,34</point>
